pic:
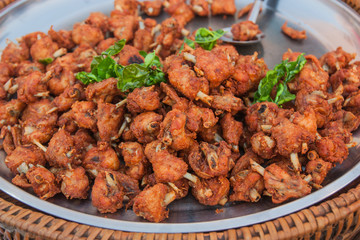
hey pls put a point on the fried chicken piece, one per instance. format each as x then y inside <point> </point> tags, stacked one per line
<point>290,55</point>
<point>104,91</point>
<point>36,110</point>
<point>352,103</point>
<point>283,184</point>
<point>7,70</point>
<point>166,167</point>
<point>173,132</point>
<point>123,26</point>
<point>8,143</point>
<point>146,126</point>
<point>289,137</point>
<point>31,38</point>
<point>307,120</point>
<point>84,114</point>
<point>332,149</point>
<point>264,115</point>
<point>66,121</point>
<point>315,100</point>
<point>68,61</point>
<point>85,33</point>
<point>335,60</point>
<point>143,40</point>
<point>10,111</point>
<point>311,77</point>
<point>170,30</point>
<point>318,169</point>
<point>346,79</point>
<point>263,145</point>
<point>347,120</point>
<point>107,193</point>
<point>126,7</point>
<point>61,151</point>
<point>249,70</point>
<point>62,37</point>
<point>200,7</point>
<point>243,163</point>
<point>247,186</point>
<point>37,125</point>
<point>336,129</point>
<point>199,117</point>
<point>208,160</point>
<point>75,183</point>
<point>219,69</point>
<point>151,8</point>
<point>102,157</point>
<point>65,100</point>
<point>135,160</point>
<point>130,185</point>
<point>231,129</point>
<point>212,191</point>
<point>173,99</point>
<point>209,134</point>
<point>32,87</point>
<point>27,67</point>
<point>245,31</point>
<point>180,187</point>
<point>84,55</point>
<point>98,20</point>
<point>43,48</point>
<point>179,10</point>
<point>19,160</point>
<point>14,53</point>
<point>143,99</point>
<point>61,79</point>
<point>129,55</point>
<point>151,203</point>
<point>43,182</point>
<point>185,81</point>
<point>227,102</point>
<point>292,33</point>
<point>219,7</point>
<point>20,180</point>
<point>83,142</point>
<point>109,119</point>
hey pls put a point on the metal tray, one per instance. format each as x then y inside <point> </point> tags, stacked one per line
<point>329,24</point>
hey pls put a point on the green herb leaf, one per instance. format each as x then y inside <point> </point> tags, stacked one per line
<point>206,38</point>
<point>138,75</point>
<point>152,60</point>
<point>129,77</point>
<point>132,76</point>
<point>87,78</point>
<point>46,61</point>
<point>284,71</point>
<point>115,49</point>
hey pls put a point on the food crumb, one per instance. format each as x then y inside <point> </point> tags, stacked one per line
<point>217,211</point>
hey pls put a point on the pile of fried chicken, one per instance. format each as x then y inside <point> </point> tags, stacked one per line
<point>198,132</point>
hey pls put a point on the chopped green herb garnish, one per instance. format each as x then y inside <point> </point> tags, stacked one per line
<point>284,71</point>
<point>46,61</point>
<point>129,77</point>
<point>205,38</point>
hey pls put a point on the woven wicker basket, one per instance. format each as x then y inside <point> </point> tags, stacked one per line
<point>335,218</point>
